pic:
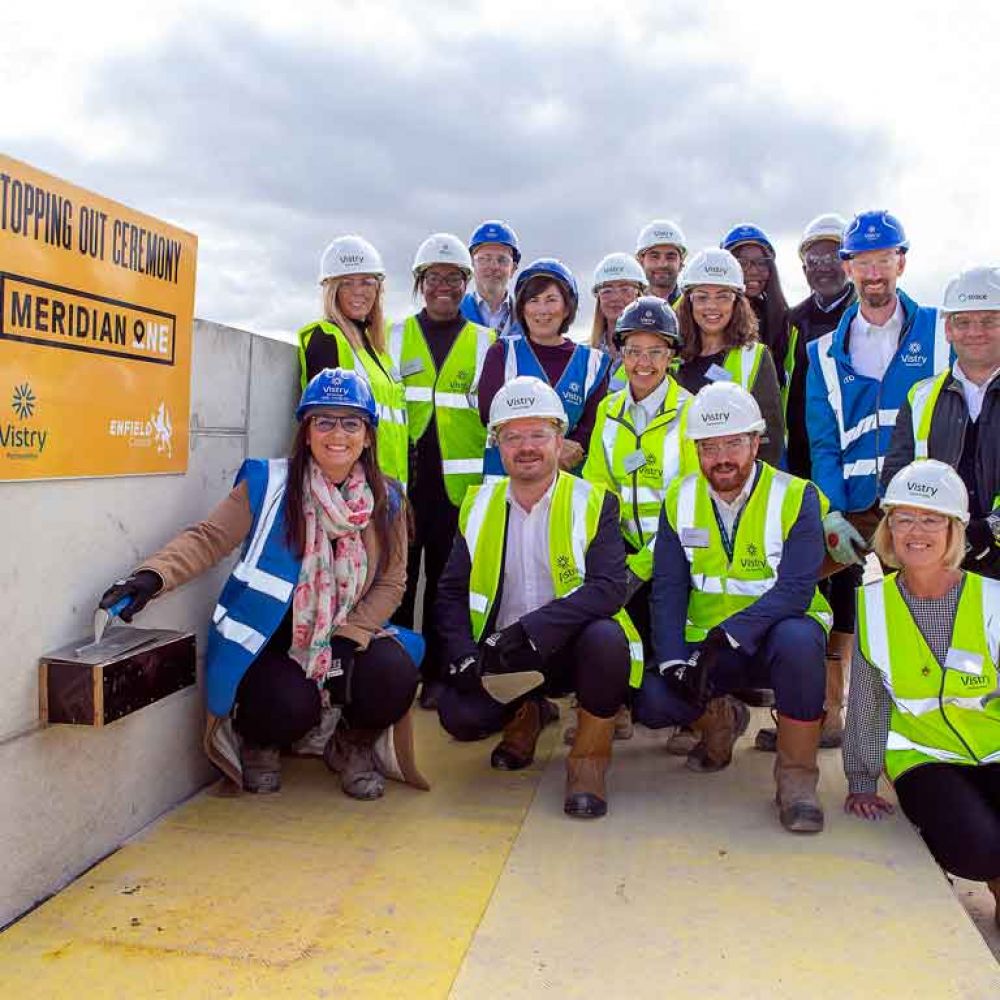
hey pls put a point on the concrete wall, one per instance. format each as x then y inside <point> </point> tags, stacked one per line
<point>69,795</point>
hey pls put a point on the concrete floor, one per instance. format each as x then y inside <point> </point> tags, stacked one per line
<point>482,888</point>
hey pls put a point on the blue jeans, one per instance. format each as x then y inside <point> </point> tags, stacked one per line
<point>790,660</point>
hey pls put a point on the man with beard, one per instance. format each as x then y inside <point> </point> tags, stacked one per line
<point>495,256</point>
<point>661,249</point>
<point>859,376</point>
<point>735,604</point>
<point>534,589</point>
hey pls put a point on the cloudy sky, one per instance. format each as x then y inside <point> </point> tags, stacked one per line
<point>267,129</point>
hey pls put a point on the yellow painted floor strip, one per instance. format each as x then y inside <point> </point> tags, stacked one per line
<point>302,894</point>
<point>690,888</point>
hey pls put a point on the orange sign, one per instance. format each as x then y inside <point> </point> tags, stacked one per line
<point>96,312</point>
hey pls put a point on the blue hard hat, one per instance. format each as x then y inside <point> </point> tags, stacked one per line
<point>648,314</point>
<point>550,267</point>
<point>338,387</point>
<point>874,230</point>
<point>746,233</point>
<point>495,231</point>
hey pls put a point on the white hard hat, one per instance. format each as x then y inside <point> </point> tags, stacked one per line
<point>929,485</point>
<point>619,267</point>
<point>442,248</point>
<point>661,232</point>
<point>712,266</point>
<point>974,290</point>
<point>526,396</point>
<point>350,255</point>
<point>721,409</point>
<point>824,227</point>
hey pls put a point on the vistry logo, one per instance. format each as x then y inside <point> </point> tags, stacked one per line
<point>23,400</point>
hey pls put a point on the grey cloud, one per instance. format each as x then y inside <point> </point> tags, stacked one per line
<point>269,149</point>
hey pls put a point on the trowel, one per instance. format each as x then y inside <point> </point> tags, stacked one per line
<point>506,688</point>
<point>119,640</point>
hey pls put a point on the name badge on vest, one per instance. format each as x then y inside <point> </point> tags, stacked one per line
<point>963,661</point>
<point>716,373</point>
<point>694,538</point>
<point>411,367</point>
<point>634,460</point>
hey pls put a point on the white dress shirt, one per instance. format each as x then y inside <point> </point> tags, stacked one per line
<point>527,570</point>
<point>730,510</point>
<point>974,394</point>
<point>642,412</point>
<point>499,319</point>
<point>873,347</point>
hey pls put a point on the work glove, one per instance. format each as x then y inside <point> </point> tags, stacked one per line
<point>982,535</point>
<point>465,675</point>
<point>139,588</point>
<point>843,541</point>
<point>508,651</point>
<point>692,678</point>
<point>341,673</point>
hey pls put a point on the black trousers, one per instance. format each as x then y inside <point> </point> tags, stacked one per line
<point>595,664</point>
<point>276,704</point>
<point>435,523</point>
<point>956,808</point>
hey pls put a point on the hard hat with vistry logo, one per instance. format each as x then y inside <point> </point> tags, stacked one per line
<point>350,255</point>
<point>498,232</point>
<point>744,233</point>
<point>712,266</point>
<point>526,396</point>
<point>661,232</point>
<point>721,409</point>
<point>874,230</point>
<point>442,248</point>
<point>648,314</point>
<point>929,485</point>
<point>338,387</point>
<point>974,290</point>
<point>619,267</point>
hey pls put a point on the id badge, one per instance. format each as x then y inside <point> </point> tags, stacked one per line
<point>694,538</point>
<point>716,373</point>
<point>634,460</point>
<point>411,367</point>
<point>964,661</point>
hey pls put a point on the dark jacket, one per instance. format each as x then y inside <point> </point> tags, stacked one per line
<point>553,625</point>
<point>946,442</point>
<point>806,322</point>
<point>788,598</point>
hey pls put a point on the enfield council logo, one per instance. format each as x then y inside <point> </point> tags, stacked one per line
<point>154,431</point>
<point>18,441</point>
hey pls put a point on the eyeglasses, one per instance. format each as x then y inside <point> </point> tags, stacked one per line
<point>712,449</point>
<point>755,263</point>
<point>608,291</point>
<point>494,259</point>
<point>816,260</point>
<point>881,263</point>
<point>713,299</point>
<point>988,322</point>
<point>452,281</point>
<point>351,425</point>
<point>652,353</point>
<point>904,523</point>
<point>514,439</point>
<point>366,283</point>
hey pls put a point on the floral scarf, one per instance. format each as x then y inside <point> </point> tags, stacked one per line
<point>334,564</point>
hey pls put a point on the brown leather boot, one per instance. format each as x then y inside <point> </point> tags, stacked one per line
<point>839,649</point>
<point>586,766</point>
<point>796,775</point>
<point>517,748</point>
<point>994,886</point>
<point>724,721</point>
<point>624,727</point>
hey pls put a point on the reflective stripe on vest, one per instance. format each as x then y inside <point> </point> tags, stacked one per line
<point>744,363</point>
<point>450,395</point>
<point>573,520</point>
<point>923,398</point>
<point>391,436</point>
<point>721,586</point>
<point>938,712</point>
<point>668,454</point>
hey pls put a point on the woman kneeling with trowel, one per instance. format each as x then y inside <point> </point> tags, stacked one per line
<point>298,655</point>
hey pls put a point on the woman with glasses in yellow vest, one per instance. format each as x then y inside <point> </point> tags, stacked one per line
<point>351,335</point>
<point>924,697</point>
<point>721,341</point>
<point>439,355</point>
<point>639,445</point>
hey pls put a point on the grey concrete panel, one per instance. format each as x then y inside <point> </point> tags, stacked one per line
<point>220,370</point>
<point>274,394</point>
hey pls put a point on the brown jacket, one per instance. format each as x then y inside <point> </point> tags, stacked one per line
<point>198,548</point>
